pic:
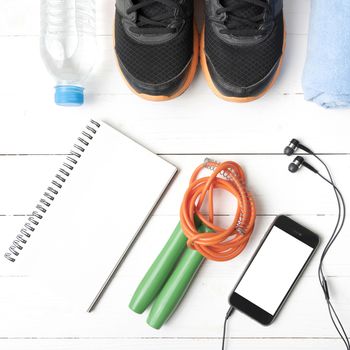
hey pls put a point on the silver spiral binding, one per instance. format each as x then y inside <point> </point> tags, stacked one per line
<point>52,191</point>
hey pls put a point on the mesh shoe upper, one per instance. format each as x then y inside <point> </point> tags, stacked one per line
<point>244,65</point>
<point>155,63</point>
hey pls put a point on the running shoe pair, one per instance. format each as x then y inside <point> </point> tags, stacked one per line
<point>241,46</point>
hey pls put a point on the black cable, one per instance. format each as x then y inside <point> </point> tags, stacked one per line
<point>228,315</point>
<point>321,275</point>
<point>337,229</point>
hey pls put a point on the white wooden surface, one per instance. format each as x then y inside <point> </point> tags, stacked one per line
<point>34,134</point>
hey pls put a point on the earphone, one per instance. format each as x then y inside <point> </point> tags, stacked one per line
<point>293,167</point>
<point>293,146</point>
<point>298,162</point>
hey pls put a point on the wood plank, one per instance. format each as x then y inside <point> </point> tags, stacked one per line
<point>185,125</point>
<point>45,314</point>
<point>36,313</point>
<point>158,230</point>
<point>171,344</point>
<point>276,190</point>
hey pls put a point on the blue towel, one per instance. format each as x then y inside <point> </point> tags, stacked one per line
<point>326,79</point>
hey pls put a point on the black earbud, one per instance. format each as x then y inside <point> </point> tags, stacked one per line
<point>294,144</point>
<point>292,147</point>
<point>297,163</point>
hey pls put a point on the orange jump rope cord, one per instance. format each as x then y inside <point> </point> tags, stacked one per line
<point>223,243</point>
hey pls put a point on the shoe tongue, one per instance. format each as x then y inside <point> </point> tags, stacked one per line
<point>155,10</point>
<point>246,10</point>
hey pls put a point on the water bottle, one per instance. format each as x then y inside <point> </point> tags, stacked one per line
<point>68,46</point>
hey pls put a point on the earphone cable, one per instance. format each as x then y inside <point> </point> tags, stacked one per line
<point>341,212</point>
<point>340,223</point>
<point>338,325</point>
<point>322,279</point>
<point>337,193</point>
<point>227,316</point>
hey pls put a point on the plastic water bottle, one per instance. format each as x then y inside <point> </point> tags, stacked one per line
<point>68,46</point>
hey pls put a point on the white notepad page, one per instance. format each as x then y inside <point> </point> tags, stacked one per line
<point>102,205</point>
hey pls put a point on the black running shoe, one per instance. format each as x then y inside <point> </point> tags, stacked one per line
<point>156,44</point>
<point>242,46</point>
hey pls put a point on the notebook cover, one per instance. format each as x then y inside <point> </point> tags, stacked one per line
<point>102,205</point>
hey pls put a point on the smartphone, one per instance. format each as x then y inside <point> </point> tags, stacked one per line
<point>274,269</point>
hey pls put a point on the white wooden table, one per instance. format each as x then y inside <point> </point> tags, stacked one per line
<point>34,134</point>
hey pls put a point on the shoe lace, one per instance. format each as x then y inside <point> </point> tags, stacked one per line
<point>156,16</point>
<point>244,17</point>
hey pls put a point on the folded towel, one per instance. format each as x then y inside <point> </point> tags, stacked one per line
<point>326,79</point>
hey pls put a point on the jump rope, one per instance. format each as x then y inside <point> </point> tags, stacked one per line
<point>221,244</point>
<point>197,237</point>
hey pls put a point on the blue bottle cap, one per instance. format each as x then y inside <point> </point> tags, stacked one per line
<point>69,95</point>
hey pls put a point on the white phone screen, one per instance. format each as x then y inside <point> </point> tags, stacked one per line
<point>273,270</point>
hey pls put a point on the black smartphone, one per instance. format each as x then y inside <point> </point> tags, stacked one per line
<point>274,269</point>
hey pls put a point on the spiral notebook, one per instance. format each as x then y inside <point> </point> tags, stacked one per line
<point>90,213</point>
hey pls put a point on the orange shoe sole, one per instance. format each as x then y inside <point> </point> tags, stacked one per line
<point>186,83</point>
<point>229,98</point>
